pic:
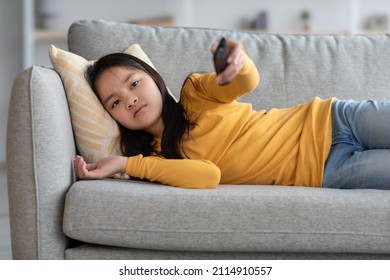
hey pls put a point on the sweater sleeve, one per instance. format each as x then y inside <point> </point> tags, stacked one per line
<point>183,173</point>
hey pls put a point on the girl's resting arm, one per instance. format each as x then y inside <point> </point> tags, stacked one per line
<point>183,173</point>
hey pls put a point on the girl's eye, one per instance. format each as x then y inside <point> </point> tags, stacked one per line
<point>116,102</point>
<point>134,84</point>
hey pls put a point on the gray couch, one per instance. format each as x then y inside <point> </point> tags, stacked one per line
<point>53,216</point>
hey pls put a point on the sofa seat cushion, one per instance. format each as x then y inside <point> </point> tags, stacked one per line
<point>230,218</point>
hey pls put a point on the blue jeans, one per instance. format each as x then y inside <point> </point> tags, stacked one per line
<point>360,153</point>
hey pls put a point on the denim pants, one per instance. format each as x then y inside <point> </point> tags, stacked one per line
<point>360,153</point>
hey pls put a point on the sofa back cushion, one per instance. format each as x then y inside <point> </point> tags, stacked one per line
<point>294,68</point>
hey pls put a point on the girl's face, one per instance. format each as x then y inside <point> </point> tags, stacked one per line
<point>132,98</point>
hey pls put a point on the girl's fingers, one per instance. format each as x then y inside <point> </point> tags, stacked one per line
<point>234,54</point>
<point>235,66</point>
<point>81,168</point>
<point>77,166</point>
<point>91,166</point>
<point>236,61</point>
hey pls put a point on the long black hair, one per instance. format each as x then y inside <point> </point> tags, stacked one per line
<point>176,123</point>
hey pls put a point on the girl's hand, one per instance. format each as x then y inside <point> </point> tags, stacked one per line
<point>236,61</point>
<point>104,168</point>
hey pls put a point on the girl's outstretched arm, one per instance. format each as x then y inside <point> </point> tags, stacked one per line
<point>183,173</point>
<point>236,61</point>
<point>241,76</point>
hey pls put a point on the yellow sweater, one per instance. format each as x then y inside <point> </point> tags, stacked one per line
<point>233,144</point>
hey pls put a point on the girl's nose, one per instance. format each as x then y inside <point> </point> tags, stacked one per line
<point>132,101</point>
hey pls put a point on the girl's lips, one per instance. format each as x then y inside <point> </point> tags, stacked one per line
<point>138,110</point>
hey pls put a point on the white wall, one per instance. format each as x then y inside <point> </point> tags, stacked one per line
<point>230,14</point>
<point>10,58</point>
<point>328,16</point>
<point>114,10</point>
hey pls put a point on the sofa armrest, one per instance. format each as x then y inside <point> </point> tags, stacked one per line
<point>40,150</point>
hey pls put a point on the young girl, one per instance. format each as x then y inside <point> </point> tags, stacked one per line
<point>209,138</point>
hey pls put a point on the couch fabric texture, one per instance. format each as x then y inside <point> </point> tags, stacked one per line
<point>53,216</point>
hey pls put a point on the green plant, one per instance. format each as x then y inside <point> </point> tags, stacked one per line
<point>305,15</point>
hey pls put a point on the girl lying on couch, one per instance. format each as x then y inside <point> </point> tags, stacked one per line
<point>209,138</point>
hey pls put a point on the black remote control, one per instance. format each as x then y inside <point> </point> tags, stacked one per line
<point>221,56</point>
